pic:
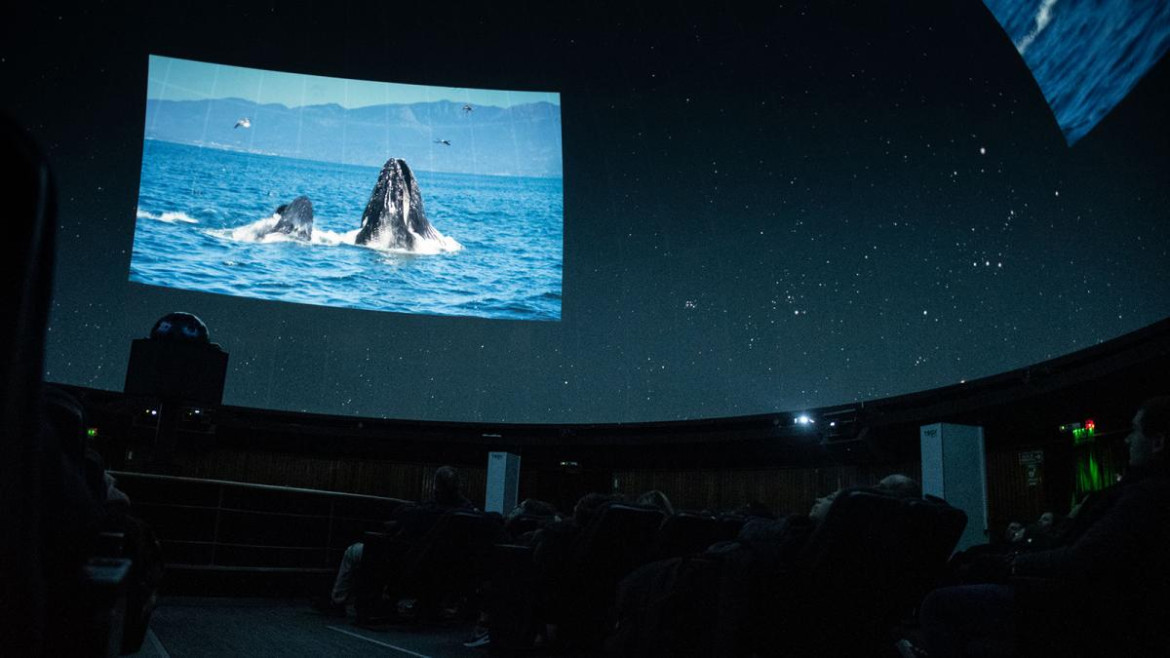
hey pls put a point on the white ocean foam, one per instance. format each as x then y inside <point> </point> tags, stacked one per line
<point>1043,18</point>
<point>262,231</point>
<point>435,245</point>
<point>168,217</point>
<point>276,237</point>
<point>332,238</point>
<point>422,246</point>
<point>257,231</point>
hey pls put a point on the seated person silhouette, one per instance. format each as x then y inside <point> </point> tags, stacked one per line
<point>789,533</point>
<point>83,501</point>
<point>1014,533</point>
<point>529,516</point>
<point>656,499</point>
<point>408,523</point>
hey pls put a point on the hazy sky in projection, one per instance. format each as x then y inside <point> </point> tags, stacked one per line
<point>766,207</point>
<point>183,80</point>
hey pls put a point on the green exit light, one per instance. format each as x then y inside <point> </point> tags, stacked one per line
<point>91,432</point>
<point>1084,432</point>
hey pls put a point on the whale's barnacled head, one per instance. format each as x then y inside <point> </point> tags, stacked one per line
<point>296,219</point>
<point>394,216</point>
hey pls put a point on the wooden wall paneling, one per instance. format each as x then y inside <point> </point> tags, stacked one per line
<point>290,470</point>
<point>407,481</point>
<point>692,490</point>
<point>216,465</point>
<point>563,487</point>
<point>475,484</point>
<point>368,476</point>
<point>1009,496</point>
<point>696,490</point>
<point>783,490</point>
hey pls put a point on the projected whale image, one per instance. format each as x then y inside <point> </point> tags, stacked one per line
<point>349,193</point>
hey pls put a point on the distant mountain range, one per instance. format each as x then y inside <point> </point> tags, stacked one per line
<point>523,140</point>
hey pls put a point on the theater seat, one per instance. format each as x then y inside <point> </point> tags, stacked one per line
<point>526,523</point>
<point>685,533</point>
<point>616,542</point>
<point>619,540</point>
<point>447,564</point>
<point>454,557</point>
<point>511,603</point>
<point>730,525</point>
<point>867,565</point>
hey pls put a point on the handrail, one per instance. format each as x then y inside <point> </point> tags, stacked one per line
<point>234,569</point>
<point>221,537</point>
<point>196,542</point>
<point>240,510</point>
<point>254,485</point>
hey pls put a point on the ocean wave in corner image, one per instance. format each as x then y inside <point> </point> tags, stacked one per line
<point>1086,56</point>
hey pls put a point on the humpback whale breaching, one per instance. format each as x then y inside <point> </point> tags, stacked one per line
<point>293,219</point>
<point>394,216</point>
<point>296,219</point>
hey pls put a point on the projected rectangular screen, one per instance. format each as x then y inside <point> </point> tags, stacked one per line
<point>349,193</point>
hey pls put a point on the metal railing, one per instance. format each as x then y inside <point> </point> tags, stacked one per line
<point>209,525</point>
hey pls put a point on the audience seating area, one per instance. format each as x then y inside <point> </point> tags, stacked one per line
<point>688,532</point>
<point>864,569</point>
<point>861,572</point>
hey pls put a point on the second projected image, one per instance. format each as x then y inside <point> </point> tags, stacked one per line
<point>349,193</point>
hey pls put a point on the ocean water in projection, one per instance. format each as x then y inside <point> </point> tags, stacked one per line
<point>205,216</point>
<point>1085,56</point>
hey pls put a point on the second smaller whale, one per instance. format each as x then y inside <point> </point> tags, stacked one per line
<point>296,219</point>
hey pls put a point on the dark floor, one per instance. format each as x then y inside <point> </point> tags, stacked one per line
<point>204,626</point>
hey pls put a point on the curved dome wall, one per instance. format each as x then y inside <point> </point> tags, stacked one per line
<point>764,210</point>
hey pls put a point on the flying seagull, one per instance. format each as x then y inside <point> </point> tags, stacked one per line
<point>443,142</point>
<point>467,109</point>
<point>244,123</point>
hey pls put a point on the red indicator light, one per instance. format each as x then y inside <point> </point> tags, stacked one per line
<point>1090,425</point>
